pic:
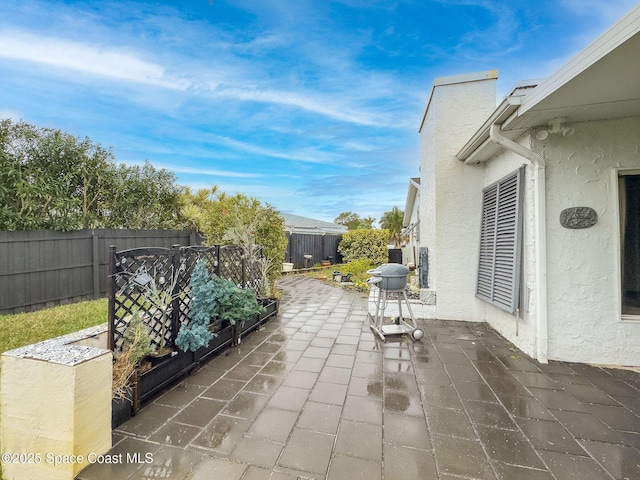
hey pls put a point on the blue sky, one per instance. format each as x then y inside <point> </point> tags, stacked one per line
<point>310,105</point>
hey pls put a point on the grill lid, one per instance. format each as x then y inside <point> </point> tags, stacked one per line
<point>390,270</point>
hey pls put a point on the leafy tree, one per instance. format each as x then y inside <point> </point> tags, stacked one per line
<point>143,197</point>
<point>369,244</point>
<point>241,220</point>
<point>367,222</point>
<point>53,180</point>
<point>392,221</point>
<point>353,221</point>
<point>348,219</point>
<point>50,179</point>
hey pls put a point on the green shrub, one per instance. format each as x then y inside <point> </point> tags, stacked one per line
<point>203,306</point>
<point>365,244</point>
<point>358,267</point>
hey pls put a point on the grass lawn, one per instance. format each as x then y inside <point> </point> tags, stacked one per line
<point>358,272</point>
<point>25,328</point>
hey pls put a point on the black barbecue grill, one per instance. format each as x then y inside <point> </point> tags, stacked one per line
<point>391,278</point>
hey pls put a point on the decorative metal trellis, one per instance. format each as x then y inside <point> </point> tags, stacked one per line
<point>155,281</point>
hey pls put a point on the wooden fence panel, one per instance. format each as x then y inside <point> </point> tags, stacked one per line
<point>320,247</point>
<point>44,268</point>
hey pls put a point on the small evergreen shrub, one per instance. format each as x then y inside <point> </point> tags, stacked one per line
<point>213,297</point>
<point>203,306</point>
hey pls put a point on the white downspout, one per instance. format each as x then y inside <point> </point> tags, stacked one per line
<point>540,234</point>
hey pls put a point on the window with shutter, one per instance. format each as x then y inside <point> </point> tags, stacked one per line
<point>500,242</point>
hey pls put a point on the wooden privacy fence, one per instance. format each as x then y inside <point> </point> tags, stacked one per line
<point>40,269</point>
<point>133,273</point>
<point>320,247</point>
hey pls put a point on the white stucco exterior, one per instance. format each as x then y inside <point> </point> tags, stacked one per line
<point>585,321</point>
<point>574,137</point>
<point>583,266</point>
<point>449,200</point>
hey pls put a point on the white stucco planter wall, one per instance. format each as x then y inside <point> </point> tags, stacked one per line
<point>55,407</point>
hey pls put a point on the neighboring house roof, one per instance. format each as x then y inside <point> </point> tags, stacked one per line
<point>413,193</point>
<point>298,224</point>
<point>600,82</point>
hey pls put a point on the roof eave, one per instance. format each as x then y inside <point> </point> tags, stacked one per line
<point>506,110</point>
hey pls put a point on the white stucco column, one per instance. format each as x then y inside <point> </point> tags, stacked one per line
<point>450,202</point>
<point>56,409</point>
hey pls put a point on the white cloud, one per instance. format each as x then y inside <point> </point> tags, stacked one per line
<point>88,58</point>
<point>309,155</point>
<point>210,172</point>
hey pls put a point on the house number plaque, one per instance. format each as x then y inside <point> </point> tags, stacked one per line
<point>578,217</point>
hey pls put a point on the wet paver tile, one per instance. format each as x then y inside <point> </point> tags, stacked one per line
<point>200,412</point>
<point>124,469</point>
<point>246,405</point>
<point>175,434</point>
<point>308,451</point>
<point>564,465</point>
<point>401,463</point>
<point>289,398</point>
<point>406,431</point>
<point>328,393</point>
<point>168,462</point>
<point>335,375</point>
<point>362,440</point>
<point>461,456</point>
<point>621,461</point>
<point>363,409</point>
<point>148,420</point>
<point>314,394</point>
<point>223,389</point>
<point>222,434</point>
<point>365,387</point>
<point>210,468</point>
<point>257,451</point>
<point>490,415</point>
<point>546,435</point>
<point>273,424</point>
<point>265,384</point>
<point>344,467</point>
<point>320,417</point>
<point>450,422</point>
<point>508,446</point>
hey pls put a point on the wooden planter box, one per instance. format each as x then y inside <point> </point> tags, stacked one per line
<point>271,309</point>
<point>221,341</point>
<point>121,411</point>
<point>171,369</point>
<point>161,375</point>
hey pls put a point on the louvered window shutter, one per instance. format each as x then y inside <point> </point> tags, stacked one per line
<point>500,243</point>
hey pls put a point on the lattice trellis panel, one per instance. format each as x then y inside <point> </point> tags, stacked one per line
<point>141,277</point>
<point>190,256</point>
<point>142,280</point>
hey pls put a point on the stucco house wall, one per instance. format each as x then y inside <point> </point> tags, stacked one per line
<point>576,132</point>
<point>449,206</point>
<point>519,329</point>
<point>584,293</point>
<point>583,265</point>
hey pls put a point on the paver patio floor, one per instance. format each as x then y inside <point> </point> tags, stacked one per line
<point>315,395</point>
